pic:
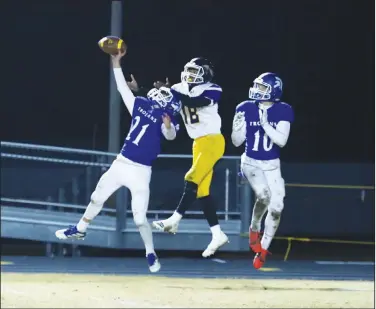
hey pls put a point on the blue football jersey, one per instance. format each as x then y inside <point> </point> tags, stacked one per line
<point>258,145</point>
<point>143,142</point>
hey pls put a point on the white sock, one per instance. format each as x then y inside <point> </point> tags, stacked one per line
<point>176,217</point>
<point>147,237</point>
<point>259,210</point>
<point>92,210</point>
<point>271,226</point>
<point>216,230</point>
<point>82,225</point>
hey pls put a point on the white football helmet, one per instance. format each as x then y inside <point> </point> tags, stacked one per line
<point>165,99</point>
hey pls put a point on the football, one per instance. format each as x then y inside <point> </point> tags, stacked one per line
<point>112,44</point>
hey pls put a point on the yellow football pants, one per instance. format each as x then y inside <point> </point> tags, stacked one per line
<point>206,150</point>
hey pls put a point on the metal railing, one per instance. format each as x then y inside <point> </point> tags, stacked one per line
<point>64,182</point>
<point>86,167</point>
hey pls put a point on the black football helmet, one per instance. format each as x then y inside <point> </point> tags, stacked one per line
<point>197,71</point>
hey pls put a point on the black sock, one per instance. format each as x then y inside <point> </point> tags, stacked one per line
<point>188,197</point>
<point>209,209</point>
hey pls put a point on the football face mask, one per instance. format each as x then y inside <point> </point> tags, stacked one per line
<point>192,74</point>
<point>161,96</point>
<point>164,99</point>
<point>260,91</point>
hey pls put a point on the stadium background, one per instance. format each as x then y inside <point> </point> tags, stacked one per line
<point>56,91</point>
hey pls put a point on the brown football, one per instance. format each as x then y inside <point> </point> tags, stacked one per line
<point>112,44</point>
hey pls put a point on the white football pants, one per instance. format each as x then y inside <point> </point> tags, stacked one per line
<point>269,187</point>
<point>266,181</point>
<point>135,177</point>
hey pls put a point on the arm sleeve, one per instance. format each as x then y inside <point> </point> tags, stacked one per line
<point>169,134</point>
<point>194,102</point>
<point>126,93</point>
<point>212,94</point>
<point>280,134</point>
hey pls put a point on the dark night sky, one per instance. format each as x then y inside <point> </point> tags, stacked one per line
<point>56,80</point>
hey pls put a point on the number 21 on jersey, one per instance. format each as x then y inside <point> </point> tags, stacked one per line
<point>265,141</point>
<point>133,127</point>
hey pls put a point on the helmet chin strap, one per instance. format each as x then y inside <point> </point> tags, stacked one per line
<point>266,104</point>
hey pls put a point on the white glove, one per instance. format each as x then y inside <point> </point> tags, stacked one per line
<point>238,122</point>
<point>263,113</point>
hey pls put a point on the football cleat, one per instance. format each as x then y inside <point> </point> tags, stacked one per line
<point>259,259</point>
<point>166,226</point>
<point>153,262</point>
<point>70,232</point>
<point>254,241</point>
<point>215,244</point>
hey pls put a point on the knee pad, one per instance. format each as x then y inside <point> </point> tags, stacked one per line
<point>140,201</point>
<point>190,188</point>
<point>276,205</point>
<point>276,214</point>
<point>96,199</point>
<point>140,219</point>
<point>264,196</point>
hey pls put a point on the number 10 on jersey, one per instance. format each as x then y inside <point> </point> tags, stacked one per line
<point>265,141</point>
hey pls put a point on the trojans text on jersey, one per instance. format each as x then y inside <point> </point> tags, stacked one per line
<point>146,114</point>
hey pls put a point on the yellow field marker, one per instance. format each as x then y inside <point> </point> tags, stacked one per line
<point>269,269</point>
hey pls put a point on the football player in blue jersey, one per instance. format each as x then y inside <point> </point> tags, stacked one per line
<point>263,123</point>
<point>200,98</point>
<point>152,117</point>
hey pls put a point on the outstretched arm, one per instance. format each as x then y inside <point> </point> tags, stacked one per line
<point>125,92</point>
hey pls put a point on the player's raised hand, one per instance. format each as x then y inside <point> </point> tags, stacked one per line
<point>133,85</point>
<point>158,84</point>
<point>263,113</point>
<point>116,58</point>
<point>166,120</point>
<point>238,122</point>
